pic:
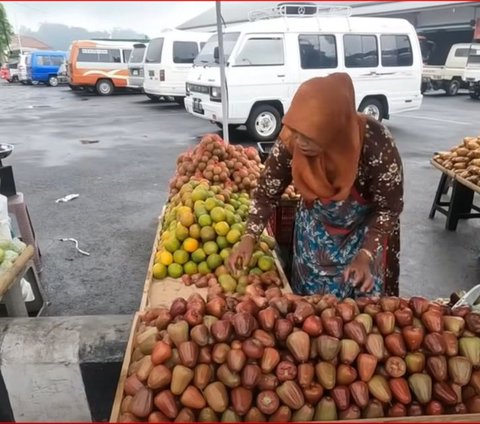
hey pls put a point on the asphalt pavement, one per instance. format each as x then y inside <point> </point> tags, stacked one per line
<point>118,153</point>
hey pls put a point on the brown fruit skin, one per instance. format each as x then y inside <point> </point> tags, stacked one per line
<point>142,403</point>
<point>395,345</point>
<point>395,367</point>
<point>415,410</point>
<point>397,410</point>
<point>241,400</point>
<point>434,407</point>
<point>404,317</point>
<point>385,322</point>
<point>341,396</point>
<point>437,367</point>
<point>433,321</point>
<point>360,394</point>
<point>366,365</point>
<point>400,390</point>
<point>268,402</point>
<point>313,394</point>
<point>413,337</point>
<point>444,393</point>
<point>434,344</point>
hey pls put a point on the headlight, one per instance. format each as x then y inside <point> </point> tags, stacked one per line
<point>215,93</point>
<point>187,89</point>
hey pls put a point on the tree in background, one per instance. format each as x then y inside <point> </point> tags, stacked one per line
<point>6,33</point>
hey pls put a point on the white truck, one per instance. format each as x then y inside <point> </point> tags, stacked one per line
<point>472,73</point>
<point>450,76</point>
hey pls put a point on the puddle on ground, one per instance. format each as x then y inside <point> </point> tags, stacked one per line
<point>89,141</point>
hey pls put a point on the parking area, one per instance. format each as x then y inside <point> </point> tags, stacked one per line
<point>118,153</point>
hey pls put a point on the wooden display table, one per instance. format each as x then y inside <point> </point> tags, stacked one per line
<point>460,205</point>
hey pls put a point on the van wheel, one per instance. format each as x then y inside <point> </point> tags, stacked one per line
<point>53,81</point>
<point>372,107</point>
<point>104,87</point>
<point>475,95</point>
<point>452,87</point>
<point>264,123</point>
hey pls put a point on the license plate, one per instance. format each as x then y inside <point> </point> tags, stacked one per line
<point>135,72</point>
<point>197,106</point>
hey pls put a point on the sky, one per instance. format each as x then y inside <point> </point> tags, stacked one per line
<point>146,17</point>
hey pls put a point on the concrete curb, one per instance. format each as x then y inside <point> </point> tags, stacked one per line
<point>61,368</point>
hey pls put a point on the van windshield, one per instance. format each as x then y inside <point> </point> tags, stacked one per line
<point>206,55</point>
<point>154,51</point>
<point>138,53</point>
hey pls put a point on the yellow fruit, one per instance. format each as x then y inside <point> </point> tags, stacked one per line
<point>187,219</point>
<point>265,263</point>
<point>233,236</point>
<point>207,234</point>
<point>203,268</point>
<point>198,256</point>
<point>190,245</point>
<point>222,228</point>
<point>222,269</point>
<point>194,231</point>
<point>225,253</point>
<point>181,210</point>
<point>210,203</point>
<point>228,283</point>
<point>180,257</point>
<point>238,226</point>
<point>204,220</point>
<point>181,232</point>
<point>214,261</point>
<point>175,270</point>
<point>159,271</point>
<point>210,247</point>
<point>218,214</point>
<point>190,268</point>
<point>222,242</point>
<point>165,257</point>
<point>171,244</point>
<point>199,194</point>
<point>230,217</point>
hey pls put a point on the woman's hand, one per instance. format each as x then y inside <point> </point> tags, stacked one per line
<point>359,273</point>
<point>241,255</point>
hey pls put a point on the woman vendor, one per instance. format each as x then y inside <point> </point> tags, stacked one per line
<point>348,172</point>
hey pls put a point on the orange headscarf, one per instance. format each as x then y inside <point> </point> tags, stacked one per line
<point>323,109</point>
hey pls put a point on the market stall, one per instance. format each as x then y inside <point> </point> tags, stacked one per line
<point>210,346</point>
<point>460,168</point>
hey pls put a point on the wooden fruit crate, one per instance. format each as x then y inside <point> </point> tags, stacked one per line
<point>115,414</point>
<point>157,293</point>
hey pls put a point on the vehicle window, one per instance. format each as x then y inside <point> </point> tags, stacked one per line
<point>461,52</point>
<point>126,55</point>
<point>154,51</point>
<point>361,51</point>
<point>44,61</point>
<point>474,57</point>
<point>56,60</point>
<point>184,51</point>
<point>396,50</point>
<point>137,55</point>
<point>261,52</point>
<point>99,55</point>
<point>317,51</point>
<point>206,55</point>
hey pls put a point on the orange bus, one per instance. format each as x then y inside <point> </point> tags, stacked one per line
<point>98,65</point>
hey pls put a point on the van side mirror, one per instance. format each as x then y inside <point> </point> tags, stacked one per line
<point>216,54</point>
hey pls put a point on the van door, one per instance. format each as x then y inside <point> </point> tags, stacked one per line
<point>318,56</point>
<point>256,80</point>
<point>361,61</point>
<point>183,55</point>
<point>400,72</point>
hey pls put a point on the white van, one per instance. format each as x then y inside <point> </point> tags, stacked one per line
<point>23,63</point>
<point>472,71</point>
<point>269,58</point>
<point>448,77</point>
<point>169,59</point>
<point>135,66</point>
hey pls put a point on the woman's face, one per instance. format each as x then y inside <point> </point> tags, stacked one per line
<point>307,146</point>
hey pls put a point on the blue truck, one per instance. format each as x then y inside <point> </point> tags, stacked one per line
<point>44,65</point>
